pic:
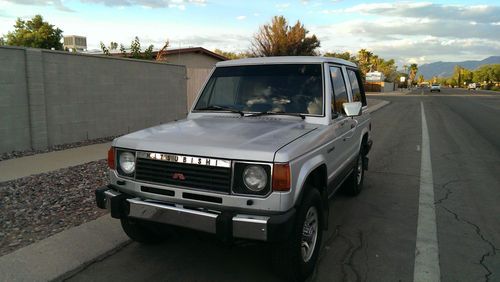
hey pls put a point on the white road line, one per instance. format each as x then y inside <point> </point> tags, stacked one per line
<point>426,249</point>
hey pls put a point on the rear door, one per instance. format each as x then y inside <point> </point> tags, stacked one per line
<point>356,125</point>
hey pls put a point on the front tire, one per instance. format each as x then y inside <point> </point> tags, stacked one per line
<point>354,183</point>
<point>295,258</point>
<point>141,231</point>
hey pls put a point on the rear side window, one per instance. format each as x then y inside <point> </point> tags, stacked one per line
<point>339,95</point>
<point>358,93</point>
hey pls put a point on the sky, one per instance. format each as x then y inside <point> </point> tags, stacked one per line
<point>407,31</point>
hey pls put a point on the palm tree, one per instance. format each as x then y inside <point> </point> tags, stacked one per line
<point>413,72</point>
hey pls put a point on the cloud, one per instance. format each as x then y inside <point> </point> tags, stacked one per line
<point>390,29</point>
<point>477,13</point>
<point>56,3</point>
<point>240,18</point>
<point>282,6</point>
<point>180,4</point>
<point>421,39</point>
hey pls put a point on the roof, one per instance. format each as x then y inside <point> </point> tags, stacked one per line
<point>285,60</point>
<point>200,50</point>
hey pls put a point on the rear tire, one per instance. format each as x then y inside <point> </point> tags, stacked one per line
<point>141,231</point>
<point>294,259</point>
<point>354,183</point>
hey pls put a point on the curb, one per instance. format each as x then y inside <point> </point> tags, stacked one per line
<point>378,106</point>
<point>65,253</point>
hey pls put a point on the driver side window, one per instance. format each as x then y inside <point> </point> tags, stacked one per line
<point>339,95</point>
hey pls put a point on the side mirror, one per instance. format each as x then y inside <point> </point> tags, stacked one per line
<point>352,109</point>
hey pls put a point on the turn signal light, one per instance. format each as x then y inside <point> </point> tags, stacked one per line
<point>111,158</point>
<point>281,177</point>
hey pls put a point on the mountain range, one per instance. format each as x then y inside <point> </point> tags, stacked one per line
<point>445,69</point>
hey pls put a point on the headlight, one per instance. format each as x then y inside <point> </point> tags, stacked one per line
<point>255,178</point>
<point>127,162</point>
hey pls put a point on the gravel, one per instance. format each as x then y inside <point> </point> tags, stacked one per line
<point>38,206</point>
<point>18,154</point>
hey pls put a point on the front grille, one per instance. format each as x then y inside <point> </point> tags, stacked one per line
<point>195,176</point>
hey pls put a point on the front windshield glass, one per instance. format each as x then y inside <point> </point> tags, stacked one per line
<point>284,88</point>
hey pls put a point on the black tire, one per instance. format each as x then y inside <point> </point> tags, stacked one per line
<point>354,183</point>
<point>142,232</point>
<point>289,262</point>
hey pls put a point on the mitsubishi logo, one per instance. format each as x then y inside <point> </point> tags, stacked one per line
<point>178,176</point>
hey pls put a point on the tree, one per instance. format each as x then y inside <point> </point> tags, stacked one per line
<point>148,53</point>
<point>104,49</point>
<point>364,60</point>
<point>122,50</point>
<point>413,72</point>
<point>2,41</point>
<point>135,48</point>
<point>280,39</point>
<point>35,33</point>
<point>345,55</point>
<point>421,79</point>
<point>113,46</point>
<point>232,55</point>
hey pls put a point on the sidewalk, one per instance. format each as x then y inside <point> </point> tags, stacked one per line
<point>40,163</point>
<point>395,93</point>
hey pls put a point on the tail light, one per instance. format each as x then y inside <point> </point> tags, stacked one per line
<point>281,177</point>
<point>111,158</point>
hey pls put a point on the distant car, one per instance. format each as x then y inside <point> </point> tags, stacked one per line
<point>472,86</point>
<point>436,87</point>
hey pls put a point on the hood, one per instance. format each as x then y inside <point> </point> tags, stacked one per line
<point>227,137</point>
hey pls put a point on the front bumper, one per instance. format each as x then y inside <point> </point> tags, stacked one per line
<point>225,224</point>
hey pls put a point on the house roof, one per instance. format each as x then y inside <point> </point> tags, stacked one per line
<point>199,50</point>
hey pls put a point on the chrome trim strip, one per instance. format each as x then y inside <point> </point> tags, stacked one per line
<point>250,227</point>
<point>197,220</point>
<point>184,159</point>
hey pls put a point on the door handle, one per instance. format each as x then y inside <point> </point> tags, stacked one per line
<point>353,125</point>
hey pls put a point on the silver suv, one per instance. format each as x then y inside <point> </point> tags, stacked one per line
<point>266,144</point>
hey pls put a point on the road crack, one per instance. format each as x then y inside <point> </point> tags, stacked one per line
<point>448,190</point>
<point>347,261</point>
<point>492,248</point>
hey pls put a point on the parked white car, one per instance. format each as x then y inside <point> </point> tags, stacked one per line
<point>266,144</point>
<point>435,87</point>
<point>472,86</point>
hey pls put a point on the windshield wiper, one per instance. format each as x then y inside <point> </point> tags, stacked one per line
<point>221,108</point>
<point>302,116</point>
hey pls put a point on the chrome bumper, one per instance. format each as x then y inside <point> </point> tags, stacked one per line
<point>243,226</point>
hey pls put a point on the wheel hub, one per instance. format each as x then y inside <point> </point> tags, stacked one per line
<point>309,234</point>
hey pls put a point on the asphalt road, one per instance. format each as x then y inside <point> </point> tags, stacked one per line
<point>372,237</point>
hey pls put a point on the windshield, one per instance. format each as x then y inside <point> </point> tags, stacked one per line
<point>294,88</point>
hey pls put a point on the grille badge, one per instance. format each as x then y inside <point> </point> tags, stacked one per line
<point>178,176</point>
<point>184,159</point>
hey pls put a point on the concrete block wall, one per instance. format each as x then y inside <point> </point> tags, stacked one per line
<point>14,110</point>
<point>70,97</point>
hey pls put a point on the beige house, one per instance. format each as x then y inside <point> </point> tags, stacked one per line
<point>196,57</point>
<point>198,61</point>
